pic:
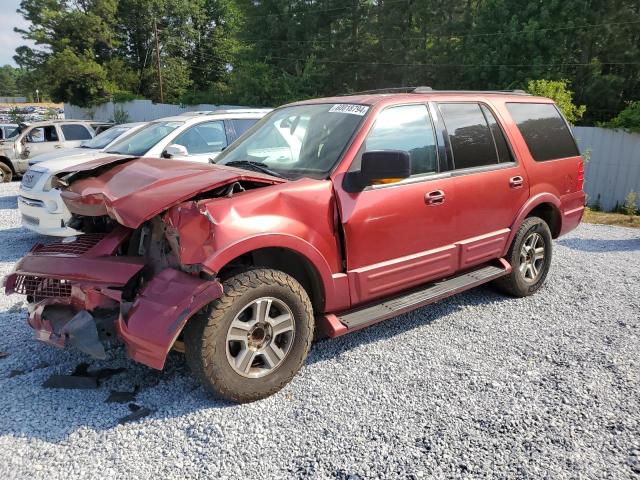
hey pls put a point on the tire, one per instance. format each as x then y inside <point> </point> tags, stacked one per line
<point>219,360</point>
<point>528,270</point>
<point>6,174</point>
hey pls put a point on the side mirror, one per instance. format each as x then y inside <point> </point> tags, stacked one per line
<point>379,167</point>
<point>175,150</point>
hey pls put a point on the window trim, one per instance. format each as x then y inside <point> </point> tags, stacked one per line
<point>480,103</point>
<point>566,122</point>
<point>360,151</point>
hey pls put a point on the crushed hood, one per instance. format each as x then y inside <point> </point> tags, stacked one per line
<point>133,190</point>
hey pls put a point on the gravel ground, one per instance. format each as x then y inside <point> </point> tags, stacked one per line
<point>476,386</point>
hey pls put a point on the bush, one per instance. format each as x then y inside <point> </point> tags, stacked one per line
<point>628,119</point>
<point>630,206</point>
<point>558,91</point>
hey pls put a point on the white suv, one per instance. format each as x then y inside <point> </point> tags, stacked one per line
<point>37,138</point>
<point>196,137</point>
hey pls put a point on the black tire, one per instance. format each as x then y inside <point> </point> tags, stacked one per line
<point>516,283</point>
<point>6,174</point>
<point>206,342</point>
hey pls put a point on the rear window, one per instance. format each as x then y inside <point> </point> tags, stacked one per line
<point>75,132</point>
<point>544,130</point>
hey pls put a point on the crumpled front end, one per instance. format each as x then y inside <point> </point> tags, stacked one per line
<point>86,289</point>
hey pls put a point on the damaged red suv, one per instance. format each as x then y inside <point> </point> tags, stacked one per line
<point>330,214</point>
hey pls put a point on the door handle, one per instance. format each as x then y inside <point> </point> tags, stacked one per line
<point>516,182</point>
<point>436,197</point>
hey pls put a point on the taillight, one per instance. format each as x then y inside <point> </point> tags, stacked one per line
<point>580,176</point>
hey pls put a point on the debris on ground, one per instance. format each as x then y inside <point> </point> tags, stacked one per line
<point>81,377</point>
<point>138,413</point>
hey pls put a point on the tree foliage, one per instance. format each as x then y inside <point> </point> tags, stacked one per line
<point>627,119</point>
<point>559,92</point>
<point>266,52</point>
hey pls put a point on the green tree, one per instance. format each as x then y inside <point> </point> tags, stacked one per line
<point>558,91</point>
<point>628,119</point>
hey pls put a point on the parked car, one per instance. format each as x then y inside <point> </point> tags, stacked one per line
<point>38,138</point>
<point>41,208</point>
<point>387,203</point>
<point>100,127</point>
<point>6,129</point>
<point>196,138</point>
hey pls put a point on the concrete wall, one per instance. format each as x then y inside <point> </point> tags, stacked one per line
<point>137,110</point>
<point>613,167</point>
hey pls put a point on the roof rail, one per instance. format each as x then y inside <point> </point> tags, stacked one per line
<point>423,89</point>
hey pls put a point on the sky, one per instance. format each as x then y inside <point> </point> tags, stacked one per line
<point>9,40</point>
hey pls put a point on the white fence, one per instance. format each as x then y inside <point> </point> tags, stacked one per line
<point>136,110</point>
<point>613,167</point>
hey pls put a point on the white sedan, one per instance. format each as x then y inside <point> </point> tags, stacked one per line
<point>196,136</point>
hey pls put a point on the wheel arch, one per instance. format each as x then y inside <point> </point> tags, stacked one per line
<point>545,206</point>
<point>289,254</point>
<point>8,162</point>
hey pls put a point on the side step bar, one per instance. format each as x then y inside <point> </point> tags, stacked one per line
<point>336,325</point>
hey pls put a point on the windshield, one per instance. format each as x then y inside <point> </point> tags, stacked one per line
<point>144,139</point>
<point>105,138</point>
<point>299,141</point>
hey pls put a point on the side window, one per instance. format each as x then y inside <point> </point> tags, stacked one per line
<point>544,130</point>
<point>504,154</point>
<point>75,132</point>
<point>241,125</point>
<point>407,127</point>
<point>42,134</point>
<point>471,141</point>
<point>203,138</point>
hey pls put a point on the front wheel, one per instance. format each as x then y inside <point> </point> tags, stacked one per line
<point>253,340</point>
<point>530,258</point>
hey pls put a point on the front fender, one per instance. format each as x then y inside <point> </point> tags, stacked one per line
<point>159,313</point>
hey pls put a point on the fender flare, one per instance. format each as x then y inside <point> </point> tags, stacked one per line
<point>530,204</point>
<point>280,240</point>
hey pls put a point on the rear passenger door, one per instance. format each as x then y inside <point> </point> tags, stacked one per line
<point>491,186</point>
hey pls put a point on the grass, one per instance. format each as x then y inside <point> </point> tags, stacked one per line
<point>610,218</point>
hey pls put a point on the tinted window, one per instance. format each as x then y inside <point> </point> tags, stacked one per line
<point>504,154</point>
<point>544,130</point>
<point>241,125</point>
<point>406,128</point>
<point>203,138</point>
<point>75,132</point>
<point>471,140</point>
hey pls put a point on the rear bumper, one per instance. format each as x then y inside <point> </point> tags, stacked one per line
<point>572,211</point>
<point>78,300</point>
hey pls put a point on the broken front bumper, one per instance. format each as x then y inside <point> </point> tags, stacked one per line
<point>75,296</point>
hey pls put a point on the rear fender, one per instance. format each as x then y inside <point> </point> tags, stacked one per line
<point>159,313</point>
<point>527,208</point>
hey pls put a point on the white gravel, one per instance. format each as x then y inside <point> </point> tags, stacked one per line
<point>476,386</point>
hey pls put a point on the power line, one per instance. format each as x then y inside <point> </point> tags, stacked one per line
<point>454,35</point>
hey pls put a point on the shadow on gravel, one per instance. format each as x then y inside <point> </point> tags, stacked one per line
<point>329,348</point>
<point>601,245</point>
<point>9,203</point>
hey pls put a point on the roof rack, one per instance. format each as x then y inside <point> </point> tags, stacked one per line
<point>423,89</point>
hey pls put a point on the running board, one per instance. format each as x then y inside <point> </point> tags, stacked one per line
<point>336,325</point>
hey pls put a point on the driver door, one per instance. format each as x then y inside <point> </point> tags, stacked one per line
<point>399,235</point>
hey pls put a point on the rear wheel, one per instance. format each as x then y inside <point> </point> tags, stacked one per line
<point>252,340</point>
<point>530,257</point>
<point>6,174</point>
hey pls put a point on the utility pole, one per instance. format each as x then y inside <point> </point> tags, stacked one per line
<point>155,30</point>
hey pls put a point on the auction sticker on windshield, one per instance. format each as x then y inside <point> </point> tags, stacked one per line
<point>349,108</point>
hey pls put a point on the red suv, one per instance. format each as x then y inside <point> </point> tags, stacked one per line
<point>330,214</point>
